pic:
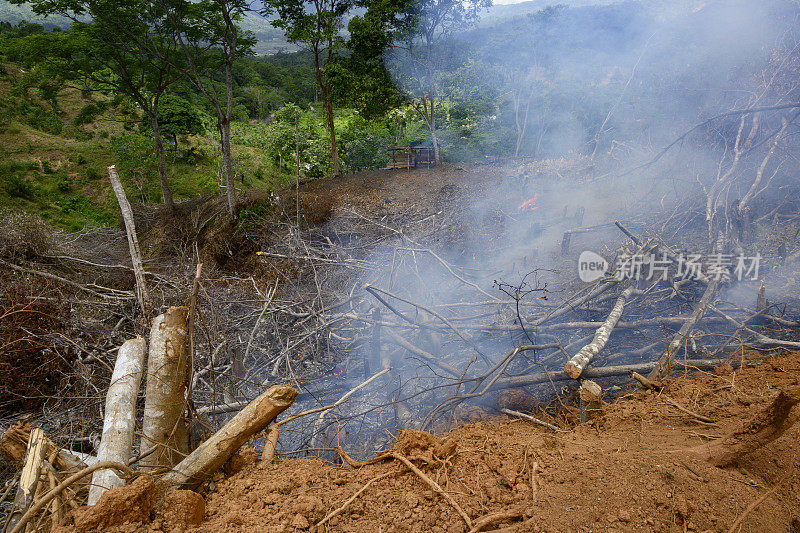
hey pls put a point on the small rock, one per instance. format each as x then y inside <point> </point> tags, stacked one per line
<point>412,500</point>
<point>624,516</point>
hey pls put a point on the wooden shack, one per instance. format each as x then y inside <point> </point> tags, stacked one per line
<point>416,154</point>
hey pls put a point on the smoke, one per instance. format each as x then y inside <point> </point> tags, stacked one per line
<point>586,97</point>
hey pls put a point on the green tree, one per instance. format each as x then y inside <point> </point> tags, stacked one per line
<point>423,47</point>
<point>208,34</point>
<point>361,79</point>
<point>120,50</point>
<point>318,25</point>
<point>177,116</point>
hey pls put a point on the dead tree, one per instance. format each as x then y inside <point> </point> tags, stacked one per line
<point>133,241</point>
<point>116,443</point>
<point>163,425</point>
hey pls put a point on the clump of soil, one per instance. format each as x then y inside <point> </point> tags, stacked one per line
<point>131,504</point>
<point>627,470</point>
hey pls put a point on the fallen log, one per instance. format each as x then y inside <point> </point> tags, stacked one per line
<point>29,478</point>
<point>600,372</point>
<point>763,428</point>
<point>116,443</point>
<point>214,452</point>
<point>662,369</point>
<point>575,366</point>
<point>133,241</point>
<point>163,424</point>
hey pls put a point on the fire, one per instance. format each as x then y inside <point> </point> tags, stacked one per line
<point>529,204</point>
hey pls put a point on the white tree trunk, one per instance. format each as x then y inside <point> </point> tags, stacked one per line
<point>163,425</point>
<point>116,443</point>
<point>575,366</point>
<point>133,240</point>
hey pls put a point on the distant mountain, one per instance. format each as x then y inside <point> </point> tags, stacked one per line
<point>15,14</point>
<point>270,40</point>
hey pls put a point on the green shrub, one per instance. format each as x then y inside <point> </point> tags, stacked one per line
<point>63,185</point>
<point>46,167</point>
<point>259,174</point>
<point>87,114</point>
<point>17,186</point>
<point>92,174</point>
<point>80,159</point>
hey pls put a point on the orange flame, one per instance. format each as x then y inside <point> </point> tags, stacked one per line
<point>529,204</point>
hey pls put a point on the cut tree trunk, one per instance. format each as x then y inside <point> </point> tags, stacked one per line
<point>163,426</point>
<point>14,442</point>
<point>575,366</point>
<point>662,369</point>
<point>270,444</point>
<point>213,453</point>
<point>759,431</point>
<point>590,394</point>
<point>116,443</point>
<point>29,479</point>
<point>133,240</point>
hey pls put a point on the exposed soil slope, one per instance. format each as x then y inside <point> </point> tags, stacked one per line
<point>626,471</point>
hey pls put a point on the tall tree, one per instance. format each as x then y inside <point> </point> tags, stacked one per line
<point>361,78</point>
<point>419,54</point>
<point>316,24</point>
<point>119,51</point>
<point>211,40</point>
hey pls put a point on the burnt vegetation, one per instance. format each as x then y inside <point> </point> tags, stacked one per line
<point>664,140</point>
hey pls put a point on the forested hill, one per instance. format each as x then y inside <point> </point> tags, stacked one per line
<point>14,14</point>
<point>573,79</point>
<point>269,39</point>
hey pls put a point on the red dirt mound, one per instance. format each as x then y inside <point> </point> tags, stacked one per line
<point>627,470</point>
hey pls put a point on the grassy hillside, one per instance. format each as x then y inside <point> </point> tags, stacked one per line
<point>53,160</point>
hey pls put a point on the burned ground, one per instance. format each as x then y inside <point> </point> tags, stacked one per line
<point>456,283</point>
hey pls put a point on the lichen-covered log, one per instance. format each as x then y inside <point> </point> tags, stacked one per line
<point>163,425</point>
<point>213,453</point>
<point>116,444</point>
<point>763,428</point>
<point>575,366</point>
